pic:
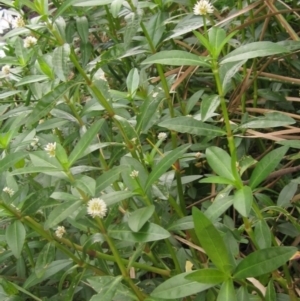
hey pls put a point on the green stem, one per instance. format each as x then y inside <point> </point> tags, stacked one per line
<point>232,148</point>
<point>119,261</point>
<point>73,109</point>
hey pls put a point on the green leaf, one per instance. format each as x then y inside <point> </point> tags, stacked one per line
<point>156,27</point>
<point>270,293</point>
<point>220,162</point>
<point>286,195</point>
<point>147,114</point>
<point>209,276</point>
<point>204,41</point>
<point>53,268</point>
<point>132,81</point>
<point>86,184</point>
<point>60,57</point>
<point>217,180</point>
<point>263,261</point>
<point>108,291</point>
<point>211,241</point>
<point>36,201</point>
<point>45,257</point>
<point>48,101</point>
<point>227,292</point>
<point>92,3</point>
<point>149,232</point>
<point>176,58</point>
<point>138,218</point>
<point>61,212</point>
<point>15,237</point>
<point>82,25</point>
<point>133,21</point>
<point>290,143</point>
<point>115,7</point>
<point>9,93</point>
<point>61,155</point>
<point>116,197</point>
<point>109,287</point>
<point>218,207</point>
<point>262,234</point>
<point>253,50</point>
<point>179,287</point>
<point>216,37</point>
<point>62,7</point>
<point>208,106</point>
<point>46,66</point>
<point>270,120</point>
<point>109,177</point>
<point>31,79</point>
<point>10,160</point>
<point>242,294</point>
<point>184,223</point>
<point>266,165</point>
<point>85,141</point>
<point>186,24</point>
<point>192,126</point>
<point>127,128</point>
<point>192,101</point>
<point>227,72</point>
<point>242,201</point>
<point>164,164</point>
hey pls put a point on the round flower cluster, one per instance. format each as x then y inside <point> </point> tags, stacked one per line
<point>203,7</point>
<point>162,136</point>
<point>9,191</point>
<point>60,231</point>
<point>96,207</point>
<point>134,174</point>
<point>29,42</point>
<point>50,149</point>
<point>6,69</point>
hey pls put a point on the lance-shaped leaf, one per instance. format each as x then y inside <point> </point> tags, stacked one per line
<point>165,163</point>
<point>176,58</point>
<point>139,217</point>
<point>85,141</point>
<point>179,287</point>
<point>211,241</point>
<point>266,165</point>
<point>192,126</point>
<point>61,212</point>
<point>47,103</point>
<point>15,237</point>
<point>253,50</point>
<point>212,276</point>
<point>10,160</point>
<point>263,261</point>
<point>149,232</point>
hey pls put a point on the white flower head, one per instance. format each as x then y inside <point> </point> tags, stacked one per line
<point>134,174</point>
<point>29,42</point>
<point>96,207</point>
<point>35,141</point>
<point>50,149</point>
<point>8,191</point>
<point>6,69</point>
<point>162,136</point>
<point>60,231</point>
<point>18,22</point>
<point>203,7</point>
<point>198,155</point>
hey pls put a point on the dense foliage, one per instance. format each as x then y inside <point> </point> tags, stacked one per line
<point>149,150</point>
